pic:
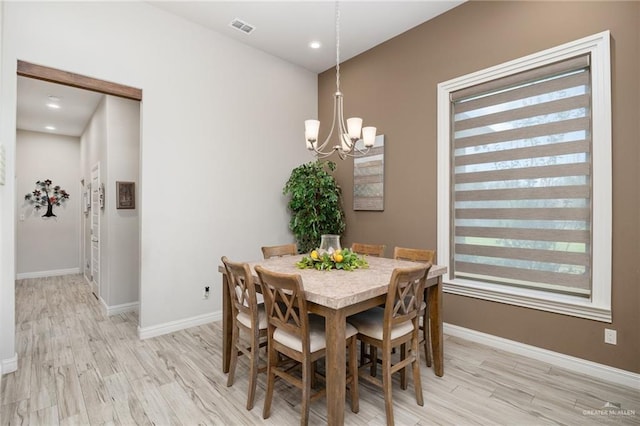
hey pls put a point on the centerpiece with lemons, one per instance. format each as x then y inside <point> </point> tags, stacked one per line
<point>343,259</point>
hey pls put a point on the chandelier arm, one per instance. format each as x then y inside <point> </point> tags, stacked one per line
<point>341,124</point>
<point>320,148</point>
<point>363,151</point>
<point>355,153</point>
<point>321,155</point>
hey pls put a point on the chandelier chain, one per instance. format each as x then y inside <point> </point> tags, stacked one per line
<point>338,46</point>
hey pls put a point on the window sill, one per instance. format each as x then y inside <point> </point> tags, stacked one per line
<point>542,301</point>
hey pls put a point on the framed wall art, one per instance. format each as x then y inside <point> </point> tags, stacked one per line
<point>125,195</point>
<point>368,177</point>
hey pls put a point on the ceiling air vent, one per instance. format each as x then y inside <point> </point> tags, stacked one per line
<point>240,25</point>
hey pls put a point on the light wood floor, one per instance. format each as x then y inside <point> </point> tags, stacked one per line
<point>77,366</point>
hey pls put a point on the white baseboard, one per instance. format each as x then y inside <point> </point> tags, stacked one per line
<point>118,309</point>
<point>170,327</point>
<point>578,365</point>
<point>53,273</point>
<point>9,365</point>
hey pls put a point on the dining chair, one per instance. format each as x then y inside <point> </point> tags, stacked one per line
<point>249,318</point>
<point>424,256</point>
<point>300,336</point>
<point>395,325</point>
<point>278,251</point>
<point>376,250</point>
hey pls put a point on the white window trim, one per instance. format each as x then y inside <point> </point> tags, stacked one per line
<point>598,307</point>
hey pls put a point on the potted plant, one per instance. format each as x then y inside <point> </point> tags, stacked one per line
<point>315,204</point>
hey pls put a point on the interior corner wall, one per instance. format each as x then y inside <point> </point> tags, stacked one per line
<point>47,246</point>
<point>112,140</point>
<point>393,86</point>
<point>123,151</point>
<point>94,152</point>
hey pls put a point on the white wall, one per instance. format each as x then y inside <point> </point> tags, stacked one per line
<point>94,141</point>
<point>123,152</point>
<point>221,131</point>
<point>7,353</point>
<point>46,246</point>
<point>112,139</point>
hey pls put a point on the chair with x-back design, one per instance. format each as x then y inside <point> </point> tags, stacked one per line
<point>397,324</point>
<point>423,256</point>
<point>299,336</point>
<point>248,317</point>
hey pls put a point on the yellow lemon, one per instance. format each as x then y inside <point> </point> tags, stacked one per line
<point>338,257</point>
<point>314,254</point>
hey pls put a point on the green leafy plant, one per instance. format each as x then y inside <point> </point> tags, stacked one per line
<point>315,204</point>
<point>340,259</point>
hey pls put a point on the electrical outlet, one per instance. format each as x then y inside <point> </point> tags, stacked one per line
<point>610,336</point>
<point>205,295</point>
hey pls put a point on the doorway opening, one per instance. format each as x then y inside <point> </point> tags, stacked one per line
<point>94,183</point>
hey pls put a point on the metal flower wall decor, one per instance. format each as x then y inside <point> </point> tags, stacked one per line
<point>46,195</point>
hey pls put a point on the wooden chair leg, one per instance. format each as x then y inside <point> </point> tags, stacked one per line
<point>307,370</point>
<point>272,363</point>
<point>386,384</point>
<point>403,372</point>
<point>427,337</point>
<point>363,352</point>
<point>234,355</point>
<point>253,372</point>
<point>373,358</point>
<point>417,383</point>
<point>353,370</point>
<point>312,374</point>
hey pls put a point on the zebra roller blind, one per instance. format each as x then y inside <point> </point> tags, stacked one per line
<point>521,179</point>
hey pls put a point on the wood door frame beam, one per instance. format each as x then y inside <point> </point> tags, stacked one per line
<point>40,72</point>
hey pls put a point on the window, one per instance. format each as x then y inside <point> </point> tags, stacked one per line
<point>524,169</point>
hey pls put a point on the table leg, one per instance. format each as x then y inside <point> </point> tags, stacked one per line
<point>226,325</point>
<point>335,323</point>
<point>435,317</point>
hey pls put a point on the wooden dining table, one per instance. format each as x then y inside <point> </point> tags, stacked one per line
<point>335,295</point>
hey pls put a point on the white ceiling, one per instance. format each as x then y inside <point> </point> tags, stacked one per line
<point>283,29</point>
<point>76,107</point>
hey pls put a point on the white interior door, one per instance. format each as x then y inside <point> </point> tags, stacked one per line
<point>95,230</point>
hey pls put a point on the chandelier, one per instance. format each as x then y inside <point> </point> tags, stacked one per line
<point>349,131</point>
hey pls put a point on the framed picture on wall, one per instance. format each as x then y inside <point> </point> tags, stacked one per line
<point>368,177</point>
<point>125,195</point>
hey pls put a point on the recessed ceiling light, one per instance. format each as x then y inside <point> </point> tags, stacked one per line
<point>315,45</point>
<point>53,106</point>
<point>49,127</point>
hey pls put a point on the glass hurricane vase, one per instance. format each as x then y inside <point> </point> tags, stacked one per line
<point>329,243</point>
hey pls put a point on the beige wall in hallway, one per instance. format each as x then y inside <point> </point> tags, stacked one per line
<point>393,86</point>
